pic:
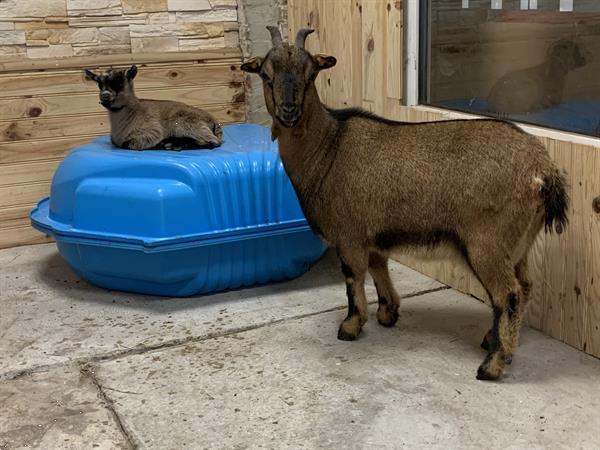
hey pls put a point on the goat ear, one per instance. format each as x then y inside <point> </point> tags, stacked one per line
<point>324,61</point>
<point>131,72</point>
<point>89,75</point>
<point>252,65</point>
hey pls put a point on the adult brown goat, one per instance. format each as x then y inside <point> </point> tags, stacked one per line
<point>368,185</point>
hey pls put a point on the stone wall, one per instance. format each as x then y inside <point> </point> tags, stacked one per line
<point>254,16</point>
<point>64,28</point>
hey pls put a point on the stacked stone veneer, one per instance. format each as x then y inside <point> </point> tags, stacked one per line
<point>64,28</point>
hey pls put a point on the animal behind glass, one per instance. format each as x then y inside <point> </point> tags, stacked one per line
<point>541,86</point>
<point>141,124</point>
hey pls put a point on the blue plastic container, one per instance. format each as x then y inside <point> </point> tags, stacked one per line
<point>179,223</point>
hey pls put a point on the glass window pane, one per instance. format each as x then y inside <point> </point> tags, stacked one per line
<point>524,60</point>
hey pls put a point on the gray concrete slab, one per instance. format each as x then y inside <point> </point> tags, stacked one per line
<point>293,384</point>
<point>49,316</point>
<point>56,410</point>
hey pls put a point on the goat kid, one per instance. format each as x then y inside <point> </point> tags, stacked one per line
<point>368,185</point>
<point>140,124</point>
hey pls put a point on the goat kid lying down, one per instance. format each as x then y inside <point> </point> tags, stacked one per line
<point>369,185</point>
<point>140,124</point>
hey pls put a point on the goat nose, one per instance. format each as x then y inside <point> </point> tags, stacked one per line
<point>105,96</point>
<point>288,109</point>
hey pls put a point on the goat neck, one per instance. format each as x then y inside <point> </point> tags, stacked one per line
<point>305,145</point>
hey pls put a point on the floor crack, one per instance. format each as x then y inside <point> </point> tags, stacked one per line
<point>87,371</point>
<point>113,355</point>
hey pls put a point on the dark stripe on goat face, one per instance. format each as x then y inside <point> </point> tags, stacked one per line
<point>387,240</point>
<point>115,81</point>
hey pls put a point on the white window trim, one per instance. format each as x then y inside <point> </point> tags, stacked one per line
<point>411,49</point>
<point>535,130</point>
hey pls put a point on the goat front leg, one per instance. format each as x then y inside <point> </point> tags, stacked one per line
<point>143,141</point>
<point>387,297</point>
<point>354,268</point>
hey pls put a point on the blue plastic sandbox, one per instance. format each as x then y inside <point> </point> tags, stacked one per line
<point>179,223</point>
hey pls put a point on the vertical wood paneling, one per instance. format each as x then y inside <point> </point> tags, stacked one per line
<point>366,38</point>
<point>394,48</point>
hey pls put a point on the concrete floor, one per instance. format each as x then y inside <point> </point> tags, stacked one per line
<point>81,367</point>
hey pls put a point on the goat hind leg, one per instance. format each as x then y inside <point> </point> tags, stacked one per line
<point>519,305</point>
<point>517,309</point>
<point>201,133</point>
<point>387,298</point>
<point>354,268</point>
<point>498,277</point>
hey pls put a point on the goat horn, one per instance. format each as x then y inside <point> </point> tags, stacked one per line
<point>301,36</point>
<point>276,38</point>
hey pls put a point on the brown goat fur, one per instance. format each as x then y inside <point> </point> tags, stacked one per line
<point>140,124</point>
<point>368,185</point>
<point>541,86</point>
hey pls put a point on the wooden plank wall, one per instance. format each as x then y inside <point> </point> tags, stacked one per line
<point>565,301</point>
<point>366,37</point>
<point>45,113</point>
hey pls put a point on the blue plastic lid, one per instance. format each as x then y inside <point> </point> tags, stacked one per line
<point>164,198</point>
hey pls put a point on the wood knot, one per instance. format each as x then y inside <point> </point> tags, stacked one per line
<point>371,45</point>
<point>596,205</point>
<point>34,112</point>
<point>389,7</point>
<point>360,9</point>
<point>173,74</point>
<point>239,98</point>
<point>12,132</point>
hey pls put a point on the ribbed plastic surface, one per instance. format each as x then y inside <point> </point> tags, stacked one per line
<point>179,223</point>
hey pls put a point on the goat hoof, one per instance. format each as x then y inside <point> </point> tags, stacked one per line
<point>387,317</point>
<point>492,367</point>
<point>485,375</point>
<point>349,329</point>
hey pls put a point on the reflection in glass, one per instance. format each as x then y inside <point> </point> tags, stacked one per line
<point>540,66</point>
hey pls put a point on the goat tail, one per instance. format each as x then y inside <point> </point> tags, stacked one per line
<point>556,201</point>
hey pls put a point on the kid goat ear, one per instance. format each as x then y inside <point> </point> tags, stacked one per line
<point>253,65</point>
<point>132,72</point>
<point>89,75</point>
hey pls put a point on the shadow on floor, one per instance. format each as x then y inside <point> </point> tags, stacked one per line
<point>58,277</point>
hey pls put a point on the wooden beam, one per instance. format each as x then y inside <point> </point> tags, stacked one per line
<point>21,65</point>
